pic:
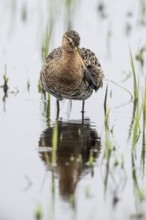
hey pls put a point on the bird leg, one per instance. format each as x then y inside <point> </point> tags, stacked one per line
<point>83,106</point>
<point>58,108</point>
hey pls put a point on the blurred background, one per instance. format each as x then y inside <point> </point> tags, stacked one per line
<point>67,169</point>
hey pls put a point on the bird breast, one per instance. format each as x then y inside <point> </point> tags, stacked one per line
<point>70,68</point>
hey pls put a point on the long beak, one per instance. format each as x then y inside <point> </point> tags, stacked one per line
<point>80,58</point>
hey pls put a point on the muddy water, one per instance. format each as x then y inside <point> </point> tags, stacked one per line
<point>82,185</point>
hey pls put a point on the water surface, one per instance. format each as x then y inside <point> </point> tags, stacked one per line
<point>95,167</point>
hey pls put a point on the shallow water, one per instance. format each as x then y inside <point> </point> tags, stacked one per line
<point>87,179</point>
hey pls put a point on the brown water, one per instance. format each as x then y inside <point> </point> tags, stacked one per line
<point>88,181</point>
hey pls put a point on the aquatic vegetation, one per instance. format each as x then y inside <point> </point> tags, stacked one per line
<point>136,102</point>
<point>120,86</point>
<point>47,103</point>
<point>69,5</point>
<point>41,90</point>
<point>105,101</point>
<point>137,215</point>
<point>135,81</point>
<point>126,75</point>
<point>46,42</point>
<point>128,28</point>
<point>108,39</point>
<point>48,110</point>
<point>144,111</point>
<point>138,110</point>
<point>101,9</point>
<point>5,87</point>
<point>91,161</point>
<point>28,85</point>
<point>38,212</point>
<point>54,143</point>
<point>136,130</point>
<point>13,6</point>
<point>108,147</point>
<point>140,55</point>
<point>39,87</point>
<point>69,150</point>
<point>24,12</point>
<point>53,181</point>
<point>142,12</point>
<point>88,193</point>
<point>143,153</point>
<point>136,127</point>
<point>138,190</point>
<point>108,144</point>
<point>113,163</point>
<point>6,79</point>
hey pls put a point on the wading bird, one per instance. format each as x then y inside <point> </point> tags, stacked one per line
<point>71,72</point>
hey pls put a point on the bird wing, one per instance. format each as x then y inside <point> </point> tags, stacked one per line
<point>44,76</point>
<point>55,54</point>
<point>94,75</point>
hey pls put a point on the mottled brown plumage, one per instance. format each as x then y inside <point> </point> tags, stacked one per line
<point>71,72</point>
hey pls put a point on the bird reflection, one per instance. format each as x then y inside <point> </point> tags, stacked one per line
<point>75,142</point>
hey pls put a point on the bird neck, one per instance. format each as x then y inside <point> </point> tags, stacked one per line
<point>69,65</point>
<point>68,56</point>
<point>67,53</point>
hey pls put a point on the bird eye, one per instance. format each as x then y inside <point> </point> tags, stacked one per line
<point>70,42</point>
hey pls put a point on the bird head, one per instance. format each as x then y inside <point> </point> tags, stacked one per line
<point>71,42</point>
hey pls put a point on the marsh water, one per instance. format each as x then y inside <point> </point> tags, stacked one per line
<point>97,169</point>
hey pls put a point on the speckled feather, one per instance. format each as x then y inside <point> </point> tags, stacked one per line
<point>80,89</point>
<point>93,65</point>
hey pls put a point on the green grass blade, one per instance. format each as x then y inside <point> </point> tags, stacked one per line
<point>54,144</point>
<point>135,84</point>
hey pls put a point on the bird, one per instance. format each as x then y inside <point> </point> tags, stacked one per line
<point>71,72</point>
